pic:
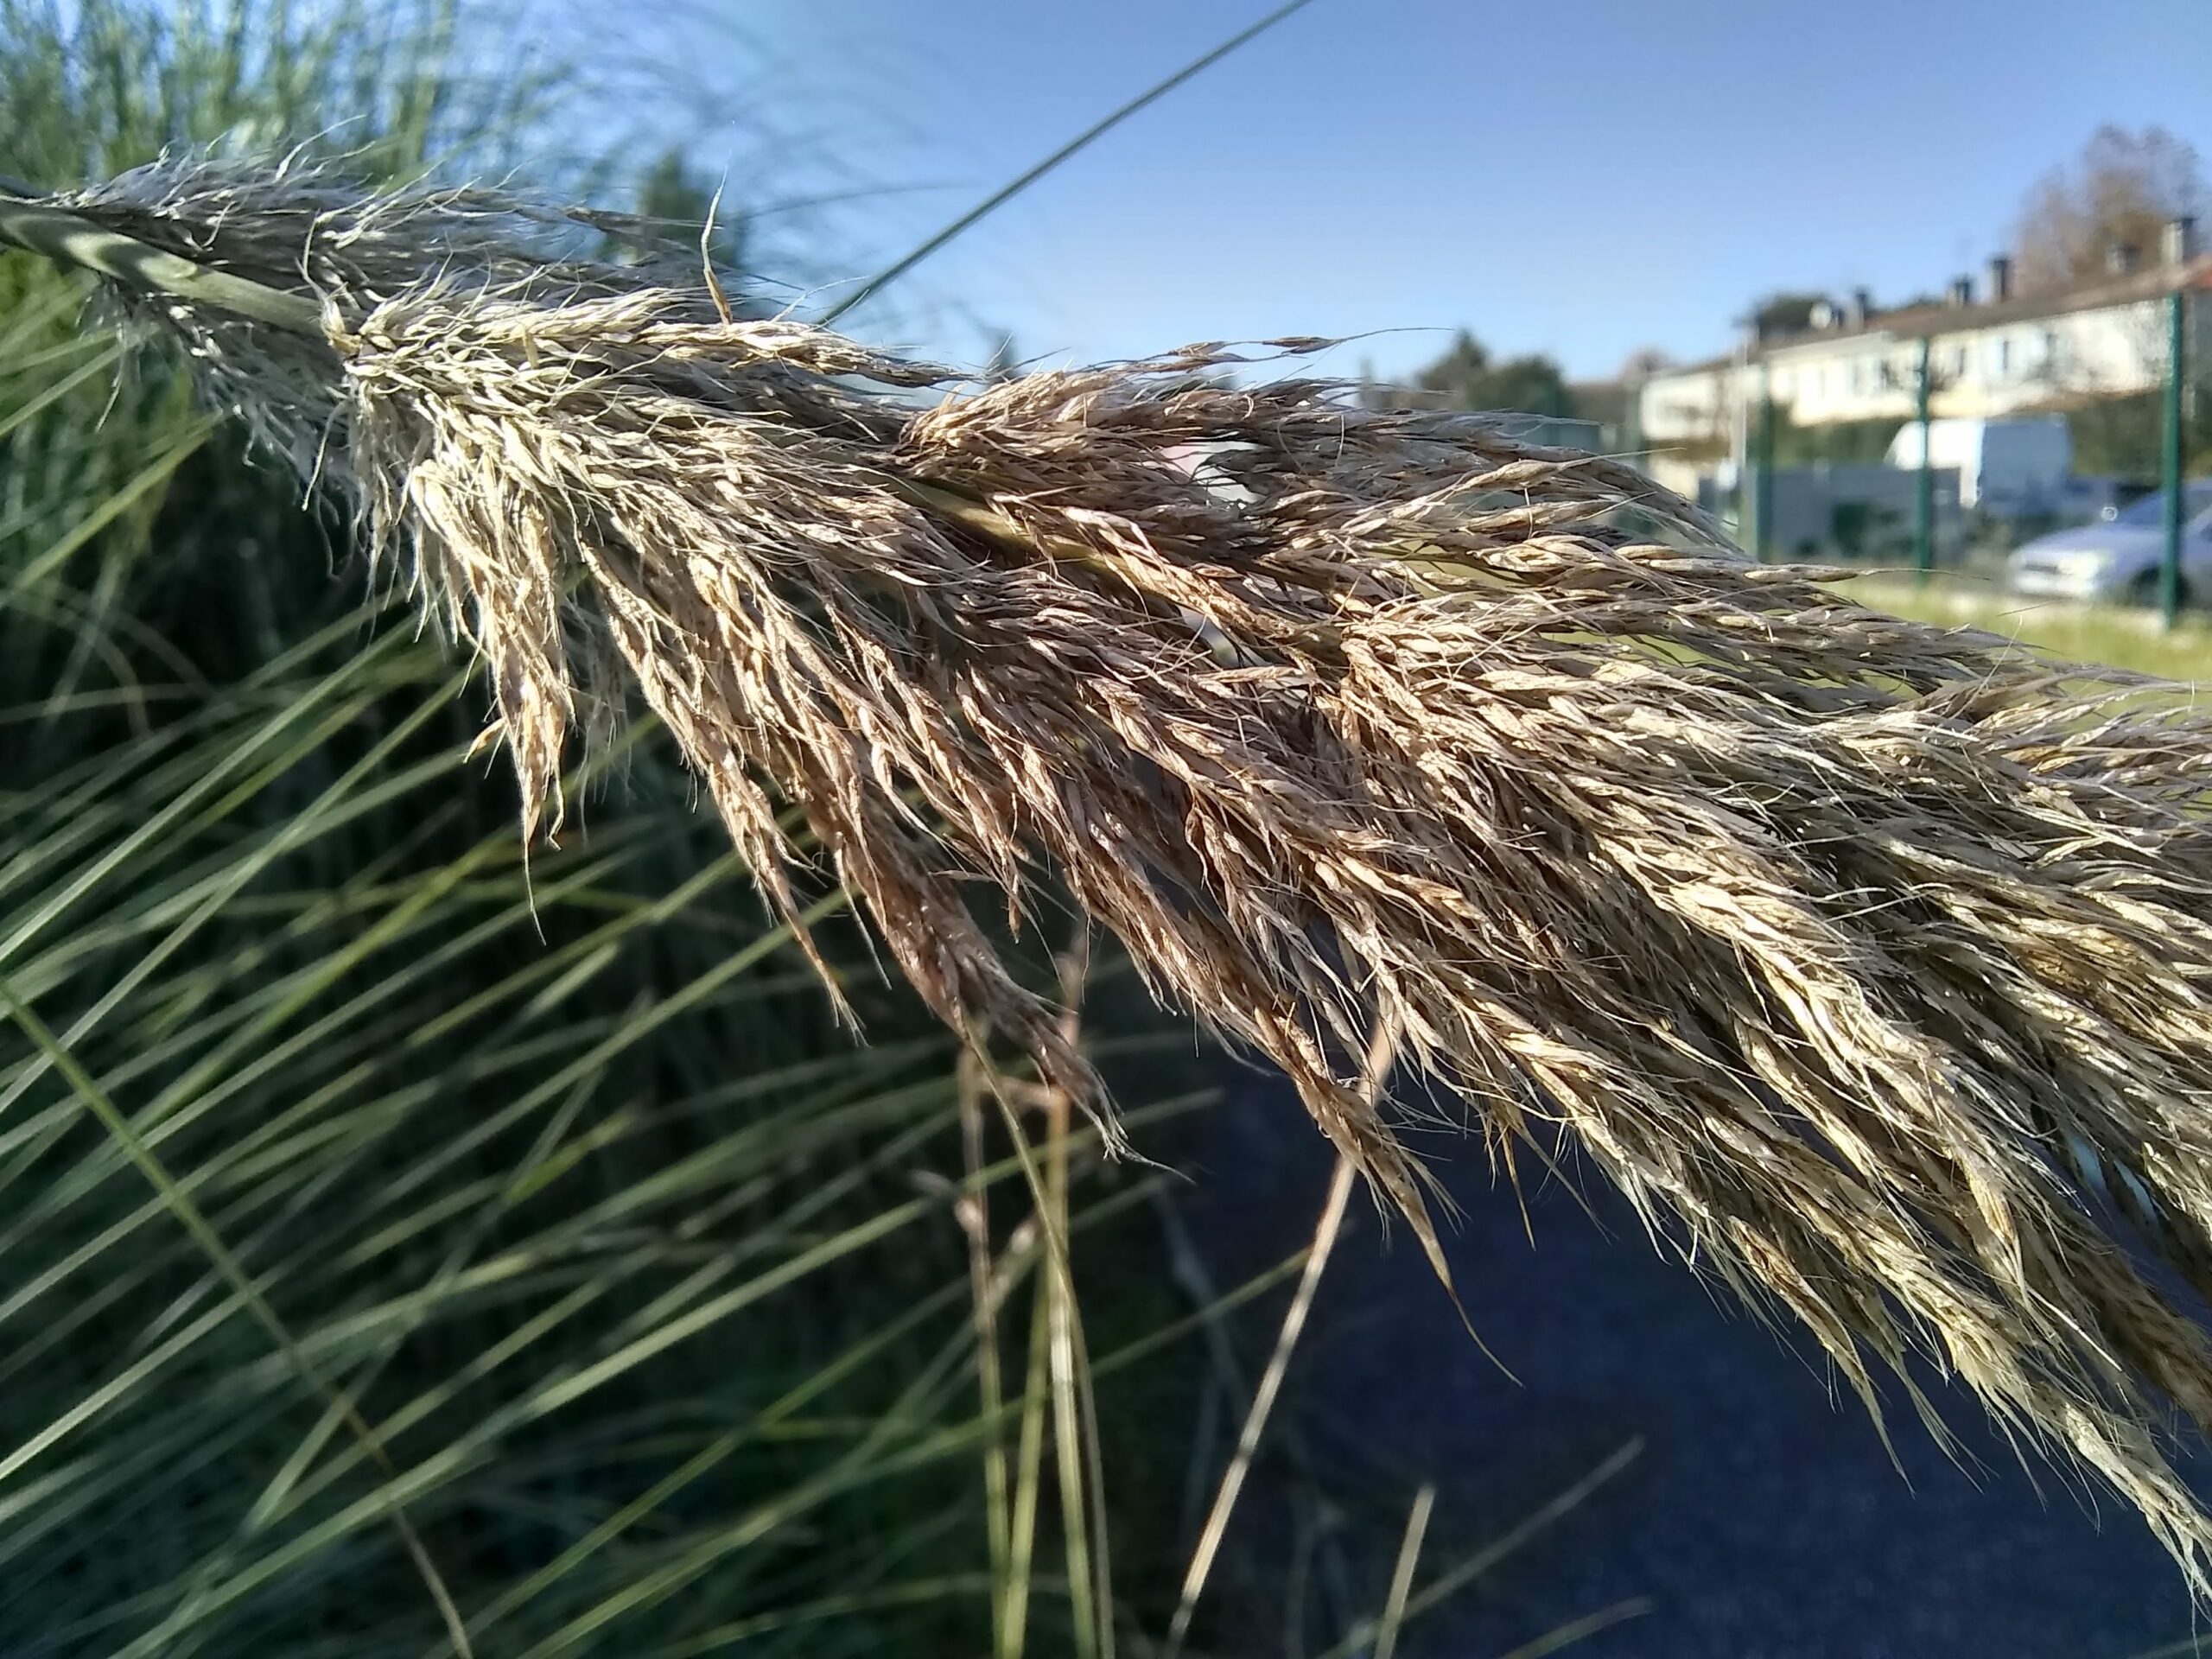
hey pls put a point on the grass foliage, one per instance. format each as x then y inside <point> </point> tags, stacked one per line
<point>398,1231</point>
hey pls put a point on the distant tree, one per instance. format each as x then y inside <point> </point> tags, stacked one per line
<point>1533,384</point>
<point>677,202</point>
<point>1468,377</point>
<point>1464,362</point>
<point>1642,364</point>
<point>1786,313</point>
<point>2122,189</point>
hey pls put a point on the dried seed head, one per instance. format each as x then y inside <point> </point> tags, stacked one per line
<point>1871,959</point>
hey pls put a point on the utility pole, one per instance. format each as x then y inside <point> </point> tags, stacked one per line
<point>1762,480</point>
<point>1632,419</point>
<point>1923,541</point>
<point>2170,470</point>
<point>1740,419</point>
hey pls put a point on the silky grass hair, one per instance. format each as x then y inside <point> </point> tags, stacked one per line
<point>1870,959</point>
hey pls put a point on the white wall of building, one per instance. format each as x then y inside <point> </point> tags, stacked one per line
<point>1983,369</point>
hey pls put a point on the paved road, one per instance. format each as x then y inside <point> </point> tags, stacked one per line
<point>1763,1521</point>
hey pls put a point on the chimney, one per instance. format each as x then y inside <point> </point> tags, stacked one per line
<point>2122,258</point>
<point>1860,311</point>
<point>2179,241</point>
<point>1961,294</point>
<point>2000,278</point>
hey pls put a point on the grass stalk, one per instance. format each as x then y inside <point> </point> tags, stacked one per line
<point>1327,1227</point>
<point>975,1217</point>
<point>1382,1055</point>
<point>1402,1573</point>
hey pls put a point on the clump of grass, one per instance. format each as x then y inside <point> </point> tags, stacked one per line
<point>1870,958</point>
<point>593,1256</point>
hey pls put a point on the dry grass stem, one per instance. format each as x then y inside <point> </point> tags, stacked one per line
<point>1402,1575</point>
<point>1872,960</point>
<point>1328,1227</point>
<point>975,1219</point>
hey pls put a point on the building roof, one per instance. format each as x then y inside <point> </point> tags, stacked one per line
<point>2159,280</point>
<point>1924,321</point>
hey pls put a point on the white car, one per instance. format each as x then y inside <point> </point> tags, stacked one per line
<point>2118,558</point>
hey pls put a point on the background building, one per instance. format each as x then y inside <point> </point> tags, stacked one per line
<point>1991,353</point>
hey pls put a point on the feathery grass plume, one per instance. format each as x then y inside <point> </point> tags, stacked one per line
<point>1871,960</point>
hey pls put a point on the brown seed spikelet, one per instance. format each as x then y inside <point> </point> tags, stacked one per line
<point>1871,960</point>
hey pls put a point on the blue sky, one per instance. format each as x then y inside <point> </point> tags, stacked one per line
<point>1580,179</point>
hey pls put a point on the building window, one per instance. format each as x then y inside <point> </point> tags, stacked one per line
<point>1857,378</point>
<point>1958,363</point>
<point>2003,360</point>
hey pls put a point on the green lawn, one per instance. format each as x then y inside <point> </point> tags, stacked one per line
<point>2121,636</point>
